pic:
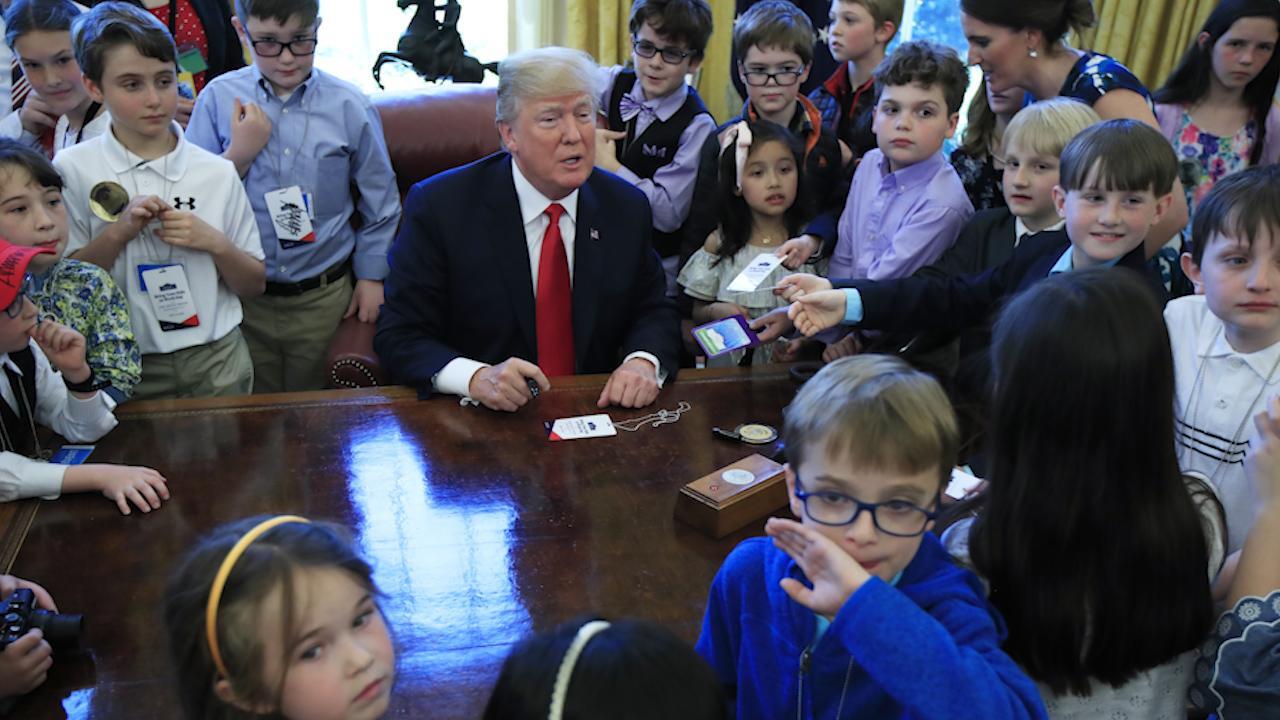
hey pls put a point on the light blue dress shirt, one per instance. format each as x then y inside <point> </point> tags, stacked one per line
<point>326,137</point>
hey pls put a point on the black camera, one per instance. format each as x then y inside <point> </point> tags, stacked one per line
<point>19,614</point>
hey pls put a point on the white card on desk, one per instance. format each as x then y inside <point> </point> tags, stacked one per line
<point>577,428</point>
<point>755,273</point>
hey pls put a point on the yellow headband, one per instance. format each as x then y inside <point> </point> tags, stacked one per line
<point>220,580</point>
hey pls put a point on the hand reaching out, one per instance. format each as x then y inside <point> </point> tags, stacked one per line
<point>793,286</point>
<point>797,251</point>
<point>815,312</point>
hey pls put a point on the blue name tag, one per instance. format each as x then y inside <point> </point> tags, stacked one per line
<point>71,455</point>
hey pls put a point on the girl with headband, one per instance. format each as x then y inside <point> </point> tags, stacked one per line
<point>762,204</point>
<point>624,670</point>
<point>236,610</point>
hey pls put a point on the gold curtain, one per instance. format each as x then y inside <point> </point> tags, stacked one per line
<point>1148,36</point>
<point>713,78</point>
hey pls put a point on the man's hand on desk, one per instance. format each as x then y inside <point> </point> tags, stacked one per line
<point>122,484</point>
<point>505,386</point>
<point>633,385</point>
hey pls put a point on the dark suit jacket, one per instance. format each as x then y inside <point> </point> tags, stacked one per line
<point>460,284</point>
<point>984,242</point>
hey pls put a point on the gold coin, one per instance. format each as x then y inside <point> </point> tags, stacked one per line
<point>108,199</point>
<point>757,433</point>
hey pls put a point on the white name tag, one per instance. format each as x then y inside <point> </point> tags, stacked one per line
<point>755,273</point>
<point>290,215</point>
<point>170,295</point>
<point>577,428</point>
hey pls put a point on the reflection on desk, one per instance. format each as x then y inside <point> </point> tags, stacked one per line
<point>479,530</point>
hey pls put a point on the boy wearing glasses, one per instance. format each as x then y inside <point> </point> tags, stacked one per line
<point>301,139</point>
<point>857,610</point>
<point>656,123</point>
<point>184,247</point>
<point>774,43</point>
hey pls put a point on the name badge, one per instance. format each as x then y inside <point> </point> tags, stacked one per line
<point>291,216</point>
<point>755,273</point>
<point>577,428</point>
<point>170,294</point>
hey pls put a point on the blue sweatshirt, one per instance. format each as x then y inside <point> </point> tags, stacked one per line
<point>927,648</point>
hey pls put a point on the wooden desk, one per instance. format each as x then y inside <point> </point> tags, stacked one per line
<point>480,531</point>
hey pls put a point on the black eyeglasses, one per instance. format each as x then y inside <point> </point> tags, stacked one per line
<point>275,48</point>
<point>784,78</point>
<point>646,49</point>
<point>892,517</point>
<point>15,307</point>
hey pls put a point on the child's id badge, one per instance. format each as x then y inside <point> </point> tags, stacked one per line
<point>190,60</point>
<point>170,294</point>
<point>291,216</point>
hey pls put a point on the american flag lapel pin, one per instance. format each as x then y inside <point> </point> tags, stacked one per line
<point>595,234</point>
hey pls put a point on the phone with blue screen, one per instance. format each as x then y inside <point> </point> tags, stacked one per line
<point>724,336</point>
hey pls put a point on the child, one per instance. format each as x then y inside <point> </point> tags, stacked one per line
<point>860,31</point>
<point>45,363</point>
<point>300,136</point>
<point>185,274</point>
<point>1238,675</point>
<point>77,294</point>
<point>1214,106</point>
<point>1115,181</point>
<point>1226,337</point>
<point>657,124</point>
<point>774,42</point>
<point>59,112</point>
<point>25,662</point>
<point>237,608</point>
<point>856,610</point>
<point>598,669</point>
<point>1107,627</point>
<point>979,159</point>
<point>761,204</point>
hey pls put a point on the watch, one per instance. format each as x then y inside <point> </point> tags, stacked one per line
<point>88,385</point>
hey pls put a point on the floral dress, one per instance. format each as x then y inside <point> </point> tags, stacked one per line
<point>1205,158</point>
<point>983,181</point>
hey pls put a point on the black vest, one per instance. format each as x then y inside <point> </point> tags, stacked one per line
<point>656,146</point>
<point>18,424</point>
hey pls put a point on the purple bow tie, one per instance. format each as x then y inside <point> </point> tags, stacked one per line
<point>630,107</point>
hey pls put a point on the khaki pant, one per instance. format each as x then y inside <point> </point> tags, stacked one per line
<point>289,336</point>
<point>222,367</point>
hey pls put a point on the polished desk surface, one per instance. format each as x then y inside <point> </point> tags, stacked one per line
<point>479,529</point>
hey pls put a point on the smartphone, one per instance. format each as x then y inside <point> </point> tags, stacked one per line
<point>727,335</point>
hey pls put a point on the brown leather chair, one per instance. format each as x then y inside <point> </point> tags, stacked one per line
<point>427,132</point>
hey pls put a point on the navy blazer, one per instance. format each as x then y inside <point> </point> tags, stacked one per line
<point>460,283</point>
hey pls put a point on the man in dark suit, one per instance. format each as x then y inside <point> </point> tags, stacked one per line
<point>530,263</point>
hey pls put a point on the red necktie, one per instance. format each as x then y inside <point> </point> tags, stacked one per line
<point>555,301</point>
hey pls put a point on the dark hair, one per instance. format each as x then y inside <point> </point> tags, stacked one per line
<point>735,215</point>
<point>112,24</point>
<point>928,64</point>
<point>1120,154</point>
<point>774,23</point>
<point>268,563</point>
<point>683,21</point>
<point>1092,545</point>
<point>633,670</point>
<point>25,16</point>
<point>17,154</point>
<point>1241,206</point>
<point>1053,18</point>
<point>279,10</point>
<point>1189,81</point>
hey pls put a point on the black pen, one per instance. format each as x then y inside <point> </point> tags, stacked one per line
<point>533,386</point>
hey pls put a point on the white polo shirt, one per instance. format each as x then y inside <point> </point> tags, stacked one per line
<point>189,178</point>
<point>1218,392</point>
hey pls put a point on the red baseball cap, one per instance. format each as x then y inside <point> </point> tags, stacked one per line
<point>13,267</point>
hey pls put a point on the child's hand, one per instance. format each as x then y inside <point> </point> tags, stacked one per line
<point>772,325</point>
<point>846,346</point>
<point>797,251</point>
<point>182,228</point>
<point>25,664</point>
<point>606,149</point>
<point>135,216</point>
<point>64,348</point>
<point>1262,464</point>
<point>250,129</point>
<point>182,113</point>
<point>785,351</point>
<point>835,575</point>
<point>366,301</point>
<point>36,115</point>
<point>125,484</point>
<point>815,312</point>
<point>9,583</point>
<point>793,286</point>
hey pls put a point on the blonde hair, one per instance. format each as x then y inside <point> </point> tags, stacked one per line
<point>877,412</point>
<point>1045,128</point>
<point>541,73</point>
<point>882,11</point>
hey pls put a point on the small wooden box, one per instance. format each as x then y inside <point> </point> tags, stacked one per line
<point>726,500</point>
